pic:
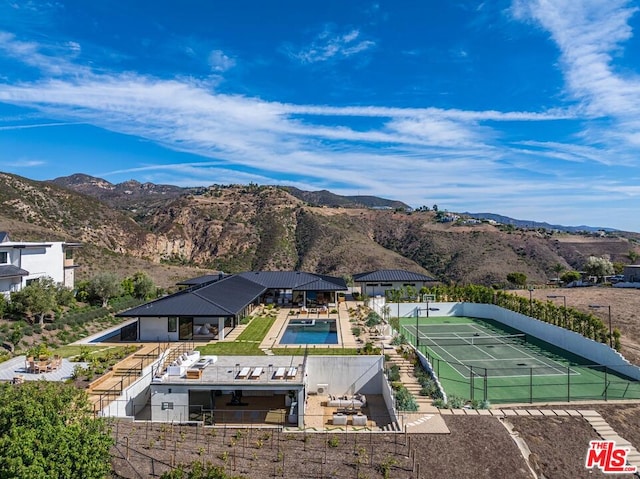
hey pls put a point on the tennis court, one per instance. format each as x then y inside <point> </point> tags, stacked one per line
<point>483,359</point>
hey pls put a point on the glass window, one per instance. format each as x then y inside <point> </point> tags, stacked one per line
<point>4,257</point>
<point>172,325</point>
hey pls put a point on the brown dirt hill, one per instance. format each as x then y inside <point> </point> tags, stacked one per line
<point>234,228</point>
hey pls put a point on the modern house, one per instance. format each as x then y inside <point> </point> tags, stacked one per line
<point>377,283</point>
<point>632,273</point>
<point>22,262</point>
<point>262,389</point>
<point>211,306</point>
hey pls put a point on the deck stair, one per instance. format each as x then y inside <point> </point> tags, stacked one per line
<point>108,387</point>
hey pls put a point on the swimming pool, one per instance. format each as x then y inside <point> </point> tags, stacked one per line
<point>311,331</point>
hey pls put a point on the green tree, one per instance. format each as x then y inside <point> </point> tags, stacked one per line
<point>143,287</point>
<point>618,267</point>
<point>47,429</point>
<point>3,305</point>
<point>570,276</point>
<point>35,300</point>
<point>558,269</point>
<point>104,287</point>
<point>598,267</point>
<point>517,278</point>
<point>633,256</point>
<point>348,279</point>
<point>64,296</point>
<point>127,286</point>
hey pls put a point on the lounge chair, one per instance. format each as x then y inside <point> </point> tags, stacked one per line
<point>291,373</point>
<point>279,374</point>
<point>339,420</point>
<point>244,372</point>
<point>359,420</point>
<point>255,374</point>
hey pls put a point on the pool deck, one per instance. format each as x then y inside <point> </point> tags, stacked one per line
<point>346,339</point>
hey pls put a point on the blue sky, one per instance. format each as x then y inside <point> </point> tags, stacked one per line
<point>529,109</point>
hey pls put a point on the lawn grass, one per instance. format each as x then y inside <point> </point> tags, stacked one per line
<point>248,342</point>
<point>257,329</point>
<point>75,349</point>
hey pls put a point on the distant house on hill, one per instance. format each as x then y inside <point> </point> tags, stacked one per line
<point>22,262</point>
<point>374,283</point>
<point>632,273</point>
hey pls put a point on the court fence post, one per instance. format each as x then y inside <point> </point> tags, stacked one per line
<point>486,385</point>
<point>606,386</point>
<point>568,383</point>
<point>530,385</point>
<point>471,381</point>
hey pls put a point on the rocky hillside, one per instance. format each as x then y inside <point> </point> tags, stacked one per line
<point>236,228</point>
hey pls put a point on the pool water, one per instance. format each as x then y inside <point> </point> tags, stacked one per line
<point>310,332</point>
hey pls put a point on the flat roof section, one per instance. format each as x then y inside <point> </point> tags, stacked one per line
<point>242,371</point>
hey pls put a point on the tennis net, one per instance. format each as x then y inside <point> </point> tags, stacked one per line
<point>479,340</point>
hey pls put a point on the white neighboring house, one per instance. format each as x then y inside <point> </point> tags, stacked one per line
<point>22,262</point>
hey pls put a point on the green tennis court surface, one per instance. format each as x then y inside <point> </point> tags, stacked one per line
<point>483,359</point>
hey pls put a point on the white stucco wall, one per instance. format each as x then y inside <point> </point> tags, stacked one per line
<point>39,261</point>
<point>43,261</point>
<point>134,397</point>
<point>346,375</point>
<point>176,394</point>
<point>408,310</point>
<point>155,329</point>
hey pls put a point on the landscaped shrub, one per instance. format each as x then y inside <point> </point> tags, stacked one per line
<point>456,402</point>
<point>439,403</point>
<point>373,319</point>
<point>394,373</point>
<point>405,400</point>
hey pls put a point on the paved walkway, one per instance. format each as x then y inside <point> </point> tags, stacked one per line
<point>15,367</point>
<point>346,337</point>
<point>420,423</point>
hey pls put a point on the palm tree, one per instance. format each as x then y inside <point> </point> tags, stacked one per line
<point>558,269</point>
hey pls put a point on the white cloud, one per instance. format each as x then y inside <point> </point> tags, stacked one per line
<point>420,155</point>
<point>329,46</point>
<point>38,125</point>
<point>220,62</point>
<point>590,34</point>
<point>74,47</point>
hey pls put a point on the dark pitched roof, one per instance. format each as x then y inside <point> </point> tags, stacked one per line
<point>389,275</point>
<point>11,271</point>
<point>206,278</point>
<point>295,280</point>
<point>4,236</point>
<point>229,295</point>
<point>226,297</point>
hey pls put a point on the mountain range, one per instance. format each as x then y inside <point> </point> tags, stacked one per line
<point>174,233</point>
